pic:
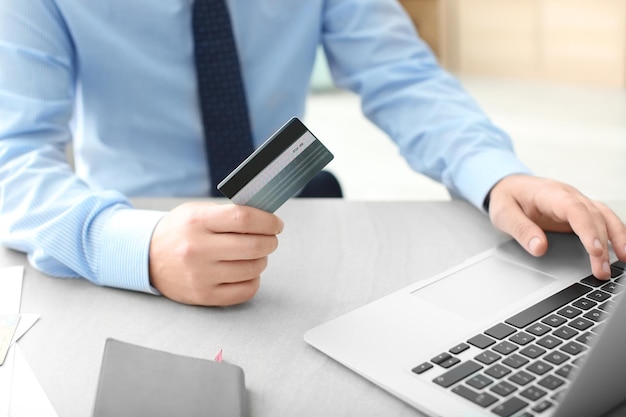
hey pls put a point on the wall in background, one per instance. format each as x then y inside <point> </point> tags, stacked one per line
<point>575,41</point>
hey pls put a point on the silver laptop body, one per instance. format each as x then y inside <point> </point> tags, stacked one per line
<point>424,343</point>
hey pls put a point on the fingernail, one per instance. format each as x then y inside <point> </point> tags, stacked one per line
<point>606,267</point>
<point>597,244</point>
<point>532,245</point>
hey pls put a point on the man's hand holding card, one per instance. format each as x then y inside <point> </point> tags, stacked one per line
<point>213,254</point>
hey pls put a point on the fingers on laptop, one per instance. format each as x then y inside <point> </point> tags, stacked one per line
<point>525,206</point>
<point>616,230</point>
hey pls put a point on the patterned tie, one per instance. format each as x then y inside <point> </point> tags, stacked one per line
<point>222,98</point>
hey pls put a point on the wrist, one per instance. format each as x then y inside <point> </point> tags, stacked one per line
<point>125,249</point>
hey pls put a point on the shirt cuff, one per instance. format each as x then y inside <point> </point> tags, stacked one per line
<point>481,171</point>
<point>124,256</point>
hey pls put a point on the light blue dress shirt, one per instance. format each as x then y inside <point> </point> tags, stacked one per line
<point>116,77</point>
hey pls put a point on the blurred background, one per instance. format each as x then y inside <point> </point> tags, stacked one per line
<point>552,73</point>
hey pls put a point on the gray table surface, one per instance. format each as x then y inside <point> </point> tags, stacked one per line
<point>333,256</point>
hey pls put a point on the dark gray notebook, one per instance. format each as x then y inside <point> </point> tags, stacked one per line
<point>138,381</point>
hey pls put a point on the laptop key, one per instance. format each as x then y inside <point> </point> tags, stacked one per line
<point>595,315</point>
<point>599,296</point>
<point>509,407</point>
<point>565,332</point>
<point>584,303</point>
<point>487,357</point>
<point>503,389</point>
<point>500,331</point>
<point>593,281</point>
<point>549,342</point>
<point>548,305</point>
<point>612,287</point>
<point>586,338</point>
<point>533,393</point>
<point>515,361</point>
<point>538,329</point>
<point>522,338</point>
<point>481,341</point>
<point>542,406</point>
<point>569,312</point>
<point>461,347</point>
<point>522,378</point>
<point>449,363</point>
<point>498,371</point>
<point>457,373</point>
<point>505,347</point>
<point>556,358</point>
<point>554,320</point>
<point>479,381</point>
<point>442,357</point>
<point>539,367</point>
<point>572,348</point>
<point>483,399</point>
<point>532,351</point>
<point>565,371</point>
<point>551,382</point>
<point>580,323</point>
<point>420,369</point>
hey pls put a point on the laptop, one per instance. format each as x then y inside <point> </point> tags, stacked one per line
<point>503,334</point>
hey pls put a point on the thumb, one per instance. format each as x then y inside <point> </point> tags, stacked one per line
<point>511,219</point>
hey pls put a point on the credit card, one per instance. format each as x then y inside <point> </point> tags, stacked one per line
<point>278,169</point>
<point>8,324</point>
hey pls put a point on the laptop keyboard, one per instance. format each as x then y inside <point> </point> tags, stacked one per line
<point>520,366</point>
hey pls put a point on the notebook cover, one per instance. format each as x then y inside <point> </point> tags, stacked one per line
<point>138,381</point>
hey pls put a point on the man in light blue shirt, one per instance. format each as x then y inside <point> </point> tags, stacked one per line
<point>117,78</point>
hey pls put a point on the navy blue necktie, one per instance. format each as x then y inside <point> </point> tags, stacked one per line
<point>222,97</point>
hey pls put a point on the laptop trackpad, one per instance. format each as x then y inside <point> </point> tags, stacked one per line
<point>483,288</point>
